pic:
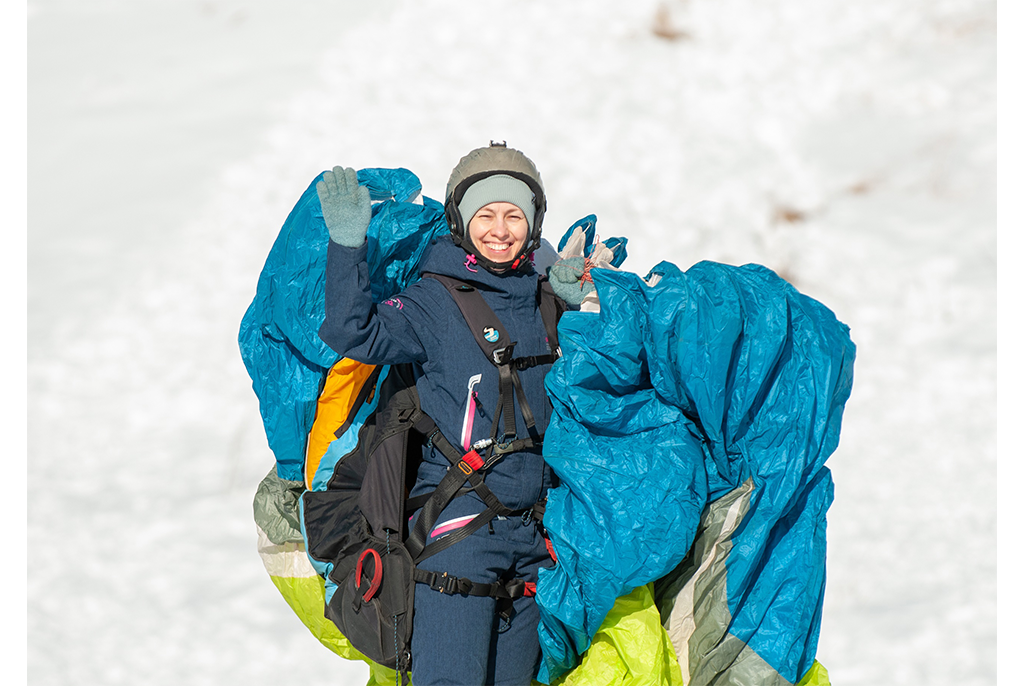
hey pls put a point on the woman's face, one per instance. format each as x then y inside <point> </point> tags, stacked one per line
<point>499,231</point>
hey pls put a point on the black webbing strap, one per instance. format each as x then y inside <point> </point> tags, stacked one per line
<point>439,499</point>
<point>532,361</point>
<point>480,317</point>
<point>446,583</point>
<point>454,537</point>
<point>496,344</point>
<point>523,405</point>
<point>464,467</point>
<point>506,405</point>
<point>551,309</point>
<point>494,341</point>
<point>487,329</point>
<point>413,504</point>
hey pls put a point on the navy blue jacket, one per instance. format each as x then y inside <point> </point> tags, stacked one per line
<point>423,325</point>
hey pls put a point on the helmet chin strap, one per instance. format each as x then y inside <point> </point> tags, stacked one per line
<point>521,261</point>
<point>518,261</point>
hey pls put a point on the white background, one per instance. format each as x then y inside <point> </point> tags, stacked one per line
<point>849,146</point>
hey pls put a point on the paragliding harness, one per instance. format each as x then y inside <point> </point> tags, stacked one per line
<point>358,523</point>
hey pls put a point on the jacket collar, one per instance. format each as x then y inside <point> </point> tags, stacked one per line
<point>444,257</point>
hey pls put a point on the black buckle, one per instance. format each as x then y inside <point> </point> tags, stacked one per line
<point>444,583</point>
<point>503,355</point>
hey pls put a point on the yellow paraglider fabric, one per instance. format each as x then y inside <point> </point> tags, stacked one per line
<point>305,595</point>
<point>817,675</point>
<point>341,389</point>
<point>630,649</point>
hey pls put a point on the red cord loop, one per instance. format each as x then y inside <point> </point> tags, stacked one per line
<point>378,574</point>
<point>587,265</point>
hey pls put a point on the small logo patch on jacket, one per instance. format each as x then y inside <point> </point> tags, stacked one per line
<point>394,302</point>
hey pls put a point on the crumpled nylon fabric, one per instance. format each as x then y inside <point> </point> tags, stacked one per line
<point>630,649</point>
<point>278,337</point>
<point>668,398</point>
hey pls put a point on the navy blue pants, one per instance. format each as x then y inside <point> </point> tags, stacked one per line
<point>460,640</point>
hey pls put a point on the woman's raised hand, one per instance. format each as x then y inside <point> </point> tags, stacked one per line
<point>346,206</point>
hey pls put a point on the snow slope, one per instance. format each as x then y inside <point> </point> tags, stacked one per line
<point>849,146</point>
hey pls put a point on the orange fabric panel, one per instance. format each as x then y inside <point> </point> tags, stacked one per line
<point>341,389</point>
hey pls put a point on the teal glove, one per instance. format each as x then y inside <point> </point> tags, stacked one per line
<point>570,279</point>
<point>346,206</point>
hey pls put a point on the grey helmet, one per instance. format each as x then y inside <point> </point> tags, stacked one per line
<point>497,158</point>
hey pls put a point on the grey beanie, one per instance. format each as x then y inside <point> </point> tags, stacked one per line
<point>497,188</point>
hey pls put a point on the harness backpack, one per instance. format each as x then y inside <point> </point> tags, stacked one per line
<point>356,526</point>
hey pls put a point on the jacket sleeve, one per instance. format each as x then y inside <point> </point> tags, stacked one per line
<point>354,326</point>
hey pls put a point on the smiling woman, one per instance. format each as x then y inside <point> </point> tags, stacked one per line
<point>499,231</point>
<point>494,209</point>
<point>496,175</point>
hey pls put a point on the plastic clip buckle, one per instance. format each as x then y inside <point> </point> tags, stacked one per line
<point>503,355</point>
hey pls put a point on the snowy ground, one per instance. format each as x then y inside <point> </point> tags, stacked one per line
<point>849,146</point>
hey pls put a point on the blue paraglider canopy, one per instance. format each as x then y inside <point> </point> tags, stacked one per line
<point>279,338</point>
<point>692,417</point>
<point>719,384</point>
